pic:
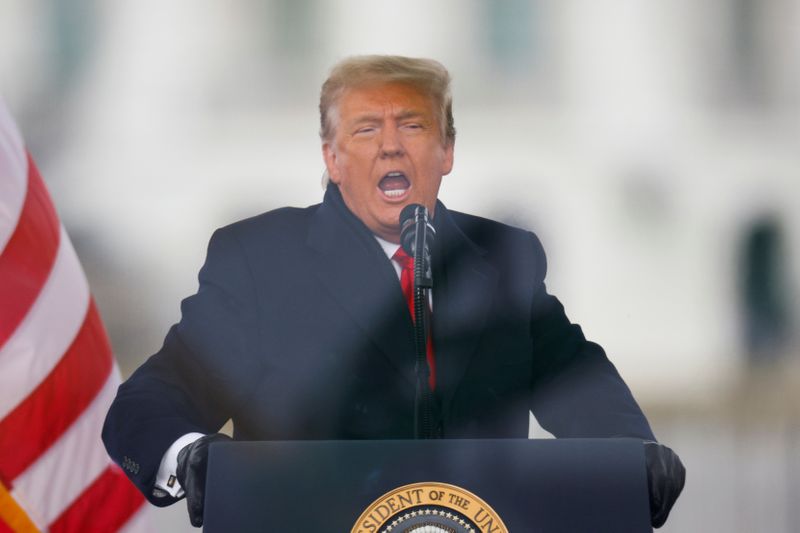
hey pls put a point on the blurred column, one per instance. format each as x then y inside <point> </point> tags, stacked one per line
<point>763,291</point>
<point>440,30</point>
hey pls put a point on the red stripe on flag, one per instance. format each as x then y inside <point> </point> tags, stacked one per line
<point>28,257</point>
<point>104,506</point>
<point>36,423</point>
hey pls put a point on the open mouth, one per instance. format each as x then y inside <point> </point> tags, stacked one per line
<point>394,184</point>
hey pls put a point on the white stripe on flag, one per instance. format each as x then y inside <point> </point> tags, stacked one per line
<point>47,331</point>
<point>62,473</point>
<point>13,175</point>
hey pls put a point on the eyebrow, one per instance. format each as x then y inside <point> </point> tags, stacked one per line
<point>377,117</point>
<point>408,113</point>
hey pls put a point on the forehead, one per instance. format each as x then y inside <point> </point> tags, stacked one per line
<point>382,99</point>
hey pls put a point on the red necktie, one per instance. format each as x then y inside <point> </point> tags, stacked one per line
<point>407,283</point>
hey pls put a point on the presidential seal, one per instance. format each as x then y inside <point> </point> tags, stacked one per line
<point>429,507</point>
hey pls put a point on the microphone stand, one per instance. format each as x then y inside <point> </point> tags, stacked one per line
<point>423,398</point>
<point>424,427</point>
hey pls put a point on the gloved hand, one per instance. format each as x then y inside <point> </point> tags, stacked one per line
<point>665,478</point>
<point>191,474</point>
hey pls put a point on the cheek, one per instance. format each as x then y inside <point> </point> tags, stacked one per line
<point>438,164</point>
<point>358,157</point>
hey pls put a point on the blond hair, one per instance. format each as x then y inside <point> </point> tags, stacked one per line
<point>426,75</point>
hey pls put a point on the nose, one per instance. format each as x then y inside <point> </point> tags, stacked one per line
<point>391,144</point>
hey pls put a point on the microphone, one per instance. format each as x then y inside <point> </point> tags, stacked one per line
<point>416,238</point>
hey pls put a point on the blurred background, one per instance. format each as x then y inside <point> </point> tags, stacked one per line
<point>653,146</point>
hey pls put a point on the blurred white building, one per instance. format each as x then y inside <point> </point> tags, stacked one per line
<point>641,140</point>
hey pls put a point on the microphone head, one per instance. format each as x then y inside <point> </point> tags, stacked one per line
<point>408,225</point>
<point>416,238</point>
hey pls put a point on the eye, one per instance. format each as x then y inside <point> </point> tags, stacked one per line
<point>412,126</point>
<point>365,130</point>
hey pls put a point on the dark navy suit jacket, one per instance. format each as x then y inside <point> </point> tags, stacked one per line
<point>299,330</point>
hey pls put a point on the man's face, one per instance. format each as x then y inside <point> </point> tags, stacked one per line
<point>387,152</point>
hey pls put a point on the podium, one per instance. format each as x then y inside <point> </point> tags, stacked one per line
<point>470,486</point>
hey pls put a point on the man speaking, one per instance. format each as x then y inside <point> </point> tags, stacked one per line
<point>302,326</point>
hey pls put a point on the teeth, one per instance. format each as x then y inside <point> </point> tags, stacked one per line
<point>395,193</point>
<point>393,174</point>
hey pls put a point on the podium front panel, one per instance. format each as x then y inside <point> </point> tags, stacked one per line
<point>563,485</point>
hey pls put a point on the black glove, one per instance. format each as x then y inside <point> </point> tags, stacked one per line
<point>191,474</point>
<point>665,478</point>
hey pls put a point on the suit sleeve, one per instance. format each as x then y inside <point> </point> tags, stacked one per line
<point>193,383</point>
<point>577,391</point>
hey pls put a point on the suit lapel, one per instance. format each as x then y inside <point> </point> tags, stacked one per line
<point>358,275</point>
<point>464,284</point>
<point>356,272</point>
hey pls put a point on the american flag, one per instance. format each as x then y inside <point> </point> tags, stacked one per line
<point>57,374</point>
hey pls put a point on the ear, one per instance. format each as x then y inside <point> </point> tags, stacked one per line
<point>447,162</point>
<point>329,155</point>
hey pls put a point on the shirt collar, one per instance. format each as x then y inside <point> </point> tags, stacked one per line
<point>389,248</point>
